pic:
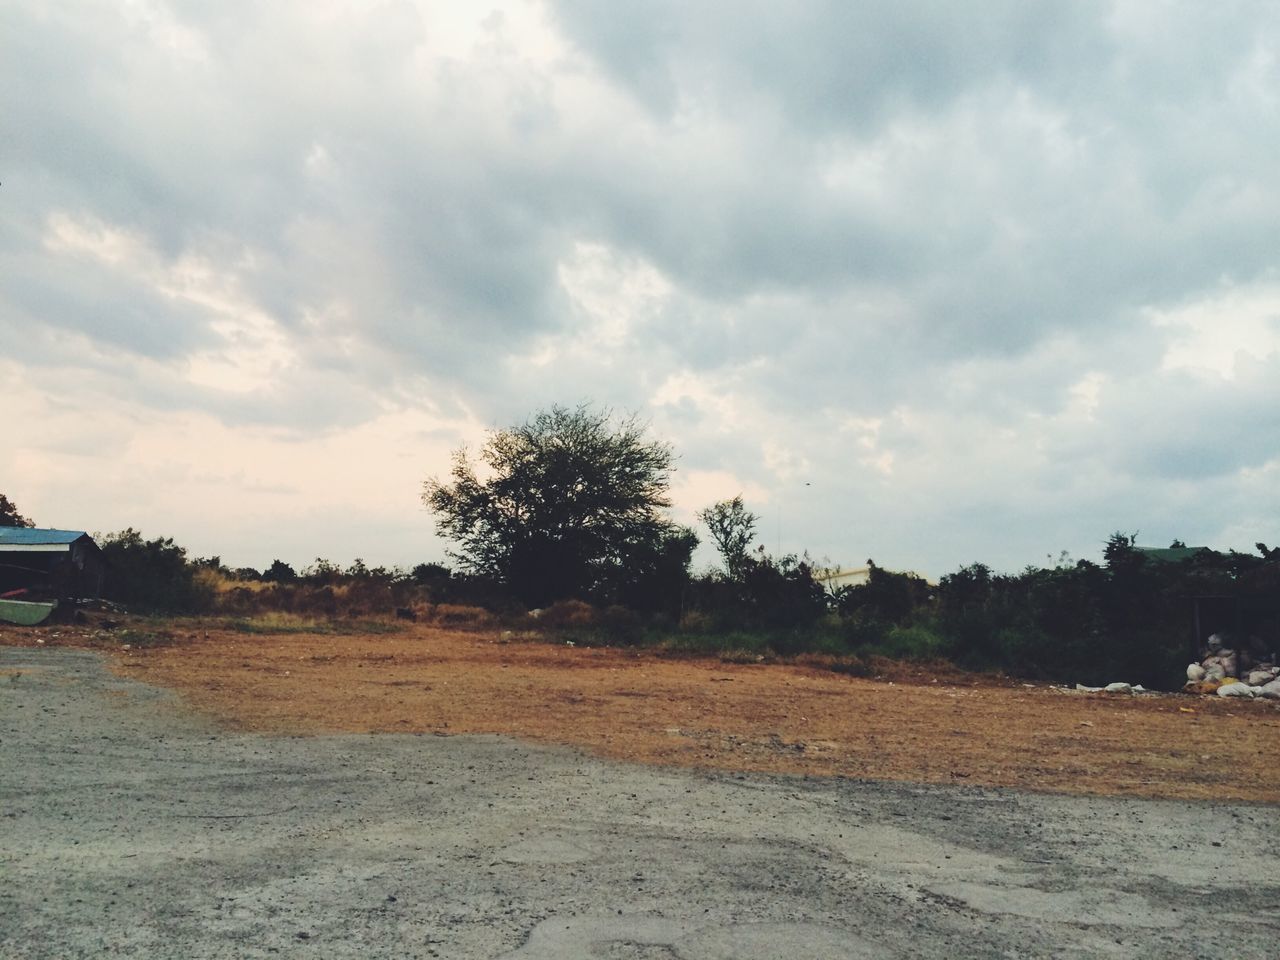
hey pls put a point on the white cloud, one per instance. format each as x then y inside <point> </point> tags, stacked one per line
<point>1218,333</point>
<point>249,494</point>
<point>251,348</point>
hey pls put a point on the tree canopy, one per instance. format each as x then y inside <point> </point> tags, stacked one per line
<point>568,504</point>
<point>9,515</point>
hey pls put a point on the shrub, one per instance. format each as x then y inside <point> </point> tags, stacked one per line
<point>915,642</point>
<point>695,621</point>
<point>621,625</point>
<point>153,574</point>
<point>568,614</point>
<point>458,615</point>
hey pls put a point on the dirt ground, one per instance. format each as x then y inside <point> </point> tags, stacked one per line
<point>703,713</point>
<point>135,825</point>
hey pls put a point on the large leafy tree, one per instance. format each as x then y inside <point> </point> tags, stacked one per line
<point>570,503</point>
<point>9,515</point>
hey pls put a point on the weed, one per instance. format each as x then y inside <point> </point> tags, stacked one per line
<point>144,638</point>
<point>742,656</point>
<point>280,623</point>
<point>853,666</point>
<point>276,623</point>
<point>459,615</point>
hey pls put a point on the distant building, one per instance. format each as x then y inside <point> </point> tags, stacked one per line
<point>835,577</point>
<point>50,563</point>
<point>1177,554</point>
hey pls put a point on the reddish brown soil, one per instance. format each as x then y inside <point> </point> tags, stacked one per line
<point>796,718</point>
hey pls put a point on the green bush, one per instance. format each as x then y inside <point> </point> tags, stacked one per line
<point>916,642</point>
<point>152,575</point>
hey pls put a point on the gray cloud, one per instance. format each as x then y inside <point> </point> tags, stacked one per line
<point>831,64</point>
<point>941,221</point>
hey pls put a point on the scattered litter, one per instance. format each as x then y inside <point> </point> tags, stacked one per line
<point>1118,687</point>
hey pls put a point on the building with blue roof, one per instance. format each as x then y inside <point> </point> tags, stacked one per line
<point>57,564</point>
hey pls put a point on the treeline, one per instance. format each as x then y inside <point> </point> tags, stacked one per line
<point>1129,617</point>
<point>568,515</point>
<point>1132,617</point>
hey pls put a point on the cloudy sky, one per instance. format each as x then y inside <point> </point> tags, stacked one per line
<point>926,282</point>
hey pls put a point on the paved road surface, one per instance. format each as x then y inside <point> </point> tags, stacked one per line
<point>129,827</point>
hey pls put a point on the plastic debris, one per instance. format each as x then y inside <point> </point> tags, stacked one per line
<point>1236,689</point>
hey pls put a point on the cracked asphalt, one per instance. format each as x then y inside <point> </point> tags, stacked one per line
<point>133,827</point>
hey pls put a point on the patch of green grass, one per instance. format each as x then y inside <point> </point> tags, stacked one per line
<point>910,643</point>
<point>277,623</point>
<point>735,646</point>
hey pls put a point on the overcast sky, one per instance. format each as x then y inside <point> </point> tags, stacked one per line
<point>926,282</point>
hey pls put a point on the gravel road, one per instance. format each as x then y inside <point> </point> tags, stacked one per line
<point>132,827</point>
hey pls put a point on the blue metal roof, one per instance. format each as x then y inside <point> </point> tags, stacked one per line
<point>34,536</point>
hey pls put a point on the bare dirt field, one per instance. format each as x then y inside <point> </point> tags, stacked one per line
<point>637,706</point>
<point>140,821</point>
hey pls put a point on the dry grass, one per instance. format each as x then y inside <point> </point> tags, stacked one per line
<point>915,725</point>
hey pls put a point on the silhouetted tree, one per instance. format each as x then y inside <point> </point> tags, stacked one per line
<point>280,572</point>
<point>9,515</point>
<point>732,528</point>
<point>151,574</point>
<point>572,504</point>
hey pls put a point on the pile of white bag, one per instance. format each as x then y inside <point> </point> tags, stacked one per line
<point>1232,673</point>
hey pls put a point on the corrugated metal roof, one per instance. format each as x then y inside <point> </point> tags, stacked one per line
<point>34,536</point>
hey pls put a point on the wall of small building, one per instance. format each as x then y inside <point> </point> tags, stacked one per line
<point>75,572</point>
